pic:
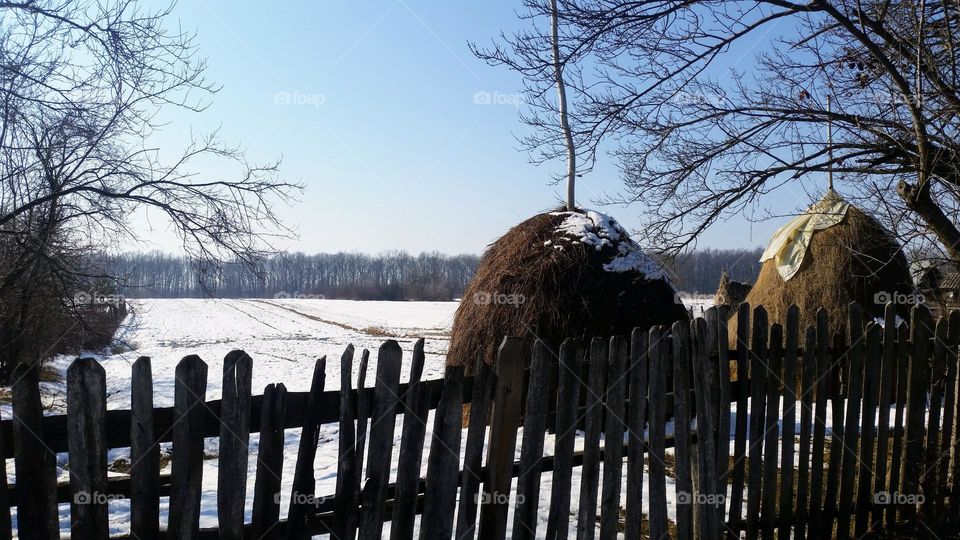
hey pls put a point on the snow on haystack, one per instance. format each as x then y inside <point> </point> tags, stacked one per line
<point>600,230</point>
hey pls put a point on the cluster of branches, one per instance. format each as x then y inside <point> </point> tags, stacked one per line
<point>388,276</point>
<point>708,105</point>
<point>81,85</point>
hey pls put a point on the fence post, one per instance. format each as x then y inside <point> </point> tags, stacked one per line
<point>637,417</point>
<point>681,430</point>
<point>37,516</point>
<point>888,380</point>
<point>871,380</point>
<point>568,398</point>
<point>415,412</point>
<point>740,425</point>
<point>511,359</point>
<point>187,470</point>
<point>919,383</point>
<point>711,510</point>
<point>473,453</point>
<point>348,468</point>
<point>613,440</point>
<point>658,394</point>
<point>86,433</point>
<point>443,464</point>
<point>854,387</point>
<point>234,444</point>
<point>266,488</point>
<point>531,449</point>
<point>758,382</point>
<point>792,343</point>
<point>304,482</point>
<point>144,455</point>
<point>590,471</point>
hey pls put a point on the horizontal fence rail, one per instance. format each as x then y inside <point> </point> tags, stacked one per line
<point>888,462</point>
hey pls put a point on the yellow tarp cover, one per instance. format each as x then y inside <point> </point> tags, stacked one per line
<point>789,244</point>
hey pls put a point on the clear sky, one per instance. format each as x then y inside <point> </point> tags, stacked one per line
<point>372,105</point>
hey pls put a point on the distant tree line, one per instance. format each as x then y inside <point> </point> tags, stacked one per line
<point>699,271</point>
<point>387,276</point>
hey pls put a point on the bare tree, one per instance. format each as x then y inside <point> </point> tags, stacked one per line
<point>698,139</point>
<point>81,85</point>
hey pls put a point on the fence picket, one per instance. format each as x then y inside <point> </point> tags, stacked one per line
<point>37,516</point>
<point>871,380</point>
<point>951,435</point>
<point>144,455</point>
<point>901,385</point>
<point>822,371</point>
<point>788,437</point>
<point>637,418</point>
<point>531,448</point>
<point>568,397</point>
<point>303,489</point>
<point>383,423</point>
<point>807,380</point>
<point>658,388</point>
<point>362,408</point>
<point>758,380</point>
<point>266,487</point>
<point>86,411</point>
<point>723,414</point>
<point>770,431</point>
<point>855,391</point>
<point>348,468</point>
<point>410,460</point>
<point>740,424</point>
<point>931,467</point>
<point>613,440</point>
<point>590,471</point>
<point>443,464</point>
<point>187,469</point>
<point>234,444</point>
<point>837,402</point>
<point>886,388</point>
<point>680,333</point>
<point>511,359</point>
<point>473,452</point>
<point>919,383</point>
<point>704,376</point>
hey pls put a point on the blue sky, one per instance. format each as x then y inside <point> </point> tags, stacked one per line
<point>372,105</point>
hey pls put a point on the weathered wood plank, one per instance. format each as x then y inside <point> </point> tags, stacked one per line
<point>830,506</point>
<point>411,449</point>
<point>86,408</point>
<point>234,444</point>
<point>568,396</point>
<point>710,503</point>
<point>849,463</point>
<point>770,432</point>
<point>680,333</point>
<point>383,423</point>
<point>590,472</point>
<point>657,426</point>
<point>637,418</point>
<point>266,488</point>
<point>822,371</point>
<point>951,419</point>
<point>348,468</point>
<point>807,388</point>
<point>918,384</point>
<point>363,401</point>
<point>901,386</point>
<point>887,382</point>
<point>443,464</point>
<point>758,396</point>
<point>144,455</point>
<point>871,381</point>
<point>720,343</point>
<point>931,462</point>
<point>473,452</point>
<point>613,439</point>
<point>511,359</point>
<point>785,514</point>
<point>303,488</point>
<point>36,507</point>
<point>740,425</point>
<point>187,469</point>
<point>531,448</point>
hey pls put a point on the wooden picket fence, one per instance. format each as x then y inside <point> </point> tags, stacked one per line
<point>769,469</point>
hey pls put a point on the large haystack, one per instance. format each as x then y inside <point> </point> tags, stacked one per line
<point>850,257</point>
<point>558,275</point>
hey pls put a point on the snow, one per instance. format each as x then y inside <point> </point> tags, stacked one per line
<point>600,230</point>
<point>284,338</point>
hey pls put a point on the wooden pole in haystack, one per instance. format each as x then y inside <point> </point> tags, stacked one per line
<point>562,107</point>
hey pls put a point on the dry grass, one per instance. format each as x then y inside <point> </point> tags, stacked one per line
<point>525,286</point>
<point>851,261</point>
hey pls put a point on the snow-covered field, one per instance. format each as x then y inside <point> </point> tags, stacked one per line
<point>283,337</point>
